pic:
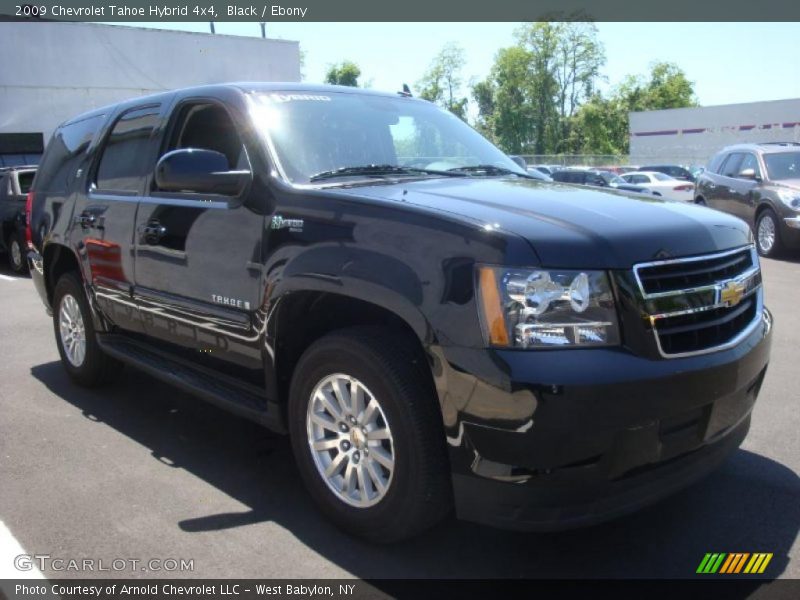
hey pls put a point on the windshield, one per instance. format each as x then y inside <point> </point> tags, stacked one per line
<point>612,179</point>
<point>783,165</point>
<point>662,177</point>
<point>313,133</point>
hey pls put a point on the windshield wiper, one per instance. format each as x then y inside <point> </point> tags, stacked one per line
<point>490,170</point>
<point>378,170</point>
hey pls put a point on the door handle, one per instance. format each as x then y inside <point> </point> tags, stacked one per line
<point>86,220</point>
<point>152,232</point>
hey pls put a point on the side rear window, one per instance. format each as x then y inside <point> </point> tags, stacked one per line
<point>730,168</point>
<point>126,157</point>
<point>65,152</point>
<point>716,163</point>
<point>25,180</point>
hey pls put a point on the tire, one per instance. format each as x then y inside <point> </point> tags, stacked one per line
<point>417,491</point>
<point>16,254</point>
<point>90,367</point>
<point>700,201</point>
<point>768,234</point>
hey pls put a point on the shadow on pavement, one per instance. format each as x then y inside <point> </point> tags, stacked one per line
<point>5,269</point>
<point>749,505</point>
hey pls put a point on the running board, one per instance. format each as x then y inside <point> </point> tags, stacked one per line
<point>217,388</point>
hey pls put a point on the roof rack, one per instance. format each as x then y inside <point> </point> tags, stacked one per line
<point>779,143</point>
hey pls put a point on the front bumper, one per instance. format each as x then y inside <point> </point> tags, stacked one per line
<point>560,439</point>
<point>790,234</point>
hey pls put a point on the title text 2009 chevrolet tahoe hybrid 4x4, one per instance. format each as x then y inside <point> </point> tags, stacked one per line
<point>431,326</point>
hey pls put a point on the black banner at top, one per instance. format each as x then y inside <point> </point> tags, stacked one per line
<point>405,11</point>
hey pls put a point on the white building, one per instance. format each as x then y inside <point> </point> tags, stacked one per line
<point>53,71</point>
<point>694,135</point>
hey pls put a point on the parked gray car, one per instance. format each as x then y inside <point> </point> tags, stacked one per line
<point>759,183</point>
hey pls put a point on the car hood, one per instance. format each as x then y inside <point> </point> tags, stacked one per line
<point>572,227</point>
<point>792,184</point>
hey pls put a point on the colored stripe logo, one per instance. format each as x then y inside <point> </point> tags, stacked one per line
<point>734,563</point>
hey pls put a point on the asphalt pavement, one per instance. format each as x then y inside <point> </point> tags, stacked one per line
<point>141,471</point>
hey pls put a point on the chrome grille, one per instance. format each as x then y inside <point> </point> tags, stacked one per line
<point>703,303</point>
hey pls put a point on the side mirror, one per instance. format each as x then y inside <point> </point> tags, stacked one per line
<point>199,170</point>
<point>519,160</point>
<point>749,174</point>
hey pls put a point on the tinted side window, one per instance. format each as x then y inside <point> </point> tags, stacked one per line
<point>65,152</point>
<point>209,126</point>
<point>25,180</point>
<point>594,179</point>
<point>730,168</point>
<point>716,163</point>
<point>126,157</point>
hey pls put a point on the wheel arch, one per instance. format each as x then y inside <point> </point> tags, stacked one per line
<point>58,259</point>
<point>763,205</point>
<point>305,316</point>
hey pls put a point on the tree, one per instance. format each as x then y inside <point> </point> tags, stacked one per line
<point>667,87</point>
<point>344,73</point>
<point>504,101</point>
<point>536,86</point>
<point>600,126</point>
<point>565,62</point>
<point>442,82</point>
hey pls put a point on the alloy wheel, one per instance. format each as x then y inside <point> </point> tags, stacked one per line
<point>72,330</point>
<point>350,440</point>
<point>766,234</point>
<point>16,254</point>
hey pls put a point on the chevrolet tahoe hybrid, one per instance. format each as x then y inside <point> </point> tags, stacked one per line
<point>433,328</point>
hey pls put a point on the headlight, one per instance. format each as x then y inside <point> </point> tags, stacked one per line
<point>790,198</point>
<point>537,308</point>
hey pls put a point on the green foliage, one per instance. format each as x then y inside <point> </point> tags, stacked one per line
<point>548,73</point>
<point>344,73</point>
<point>541,94</point>
<point>442,83</point>
<point>601,125</point>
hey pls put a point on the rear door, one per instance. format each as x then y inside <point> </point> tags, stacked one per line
<point>198,269</point>
<point>104,218</point>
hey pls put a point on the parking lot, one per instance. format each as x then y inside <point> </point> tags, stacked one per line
<point>141,471</point>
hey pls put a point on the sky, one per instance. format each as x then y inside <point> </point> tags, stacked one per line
<point>728,62</point>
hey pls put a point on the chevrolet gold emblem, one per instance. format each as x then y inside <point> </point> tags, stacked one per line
<point>731,294</point>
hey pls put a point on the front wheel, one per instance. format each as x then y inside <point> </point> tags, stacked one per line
<point>367,435</point>
<point>81,355</point>
<point>768,240</point>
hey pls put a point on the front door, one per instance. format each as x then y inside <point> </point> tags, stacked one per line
<point>198,272</point>
<point>743,189</point>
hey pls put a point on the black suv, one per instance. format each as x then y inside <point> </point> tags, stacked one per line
<point>759,183</point>
<point>15,182</point>
<point>429,324</point>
